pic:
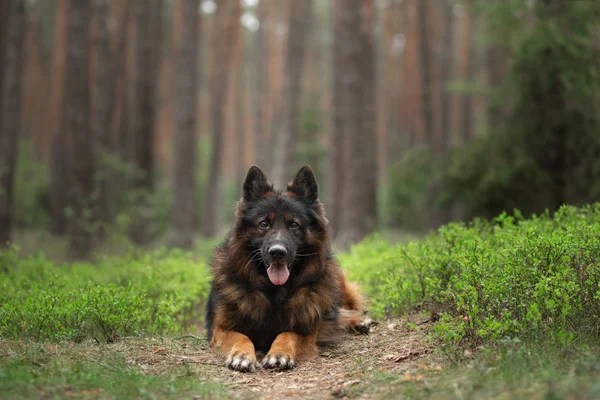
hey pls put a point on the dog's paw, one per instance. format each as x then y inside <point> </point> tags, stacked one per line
<point>241,362</point>
<point>279,361</point>
<point>364,326</point>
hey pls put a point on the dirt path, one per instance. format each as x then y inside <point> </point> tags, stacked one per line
<point>346,370</point>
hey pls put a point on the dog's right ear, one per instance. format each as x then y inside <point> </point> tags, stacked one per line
<point>256,184</point>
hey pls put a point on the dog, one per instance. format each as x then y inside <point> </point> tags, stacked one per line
<point>277,288</point>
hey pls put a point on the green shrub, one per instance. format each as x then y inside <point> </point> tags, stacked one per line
<point>145,293</point>
<point>536,278</point>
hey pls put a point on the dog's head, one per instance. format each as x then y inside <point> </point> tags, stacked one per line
<point>282,229</point>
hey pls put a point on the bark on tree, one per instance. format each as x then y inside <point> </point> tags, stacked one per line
<point>447,74</point>
<point>284,166</point>
<point>183,216</point>
<point>470,68</point>
<point>148,40</point>
<point>106,72</point>
<point>60,169</point>
<point>227,22</point>
<point>354,117</point>
<point>4,18</point>
<point>261,96</point>
<point>77,124</point>
<point>11,67</point>
<point>335,175</point>
<point>425,71</point>
<point>439,215</point>
<point>240,109</point>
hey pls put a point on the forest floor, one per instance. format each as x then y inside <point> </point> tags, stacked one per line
<point>394,361</point>
<point>185,367</point>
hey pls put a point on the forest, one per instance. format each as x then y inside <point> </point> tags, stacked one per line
<point>456,144</point>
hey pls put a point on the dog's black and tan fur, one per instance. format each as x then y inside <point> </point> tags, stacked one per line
<point>277,288</point>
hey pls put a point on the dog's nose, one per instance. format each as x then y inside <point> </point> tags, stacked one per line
<point>277,252</point>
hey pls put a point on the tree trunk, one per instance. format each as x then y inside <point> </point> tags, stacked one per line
<point>148,37</point>
<point>261,96</point>
<point>447,74</point>
<point>77,124</point>
<point>60,169</point>
<point>241,131</point>
<point>183,216</point>
<point>105,85</point>
<point>118,118</point>
<point>354,118</point>
<point>467,106</point>
<point>425,71</point>
<point>439,215</point>
<point>227,21</point>
<point>10,108</point>
<point>335,175</point>
<point>4,20</point>
<point>300,16</point>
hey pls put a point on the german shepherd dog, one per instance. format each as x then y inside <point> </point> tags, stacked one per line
<point>277,288</point>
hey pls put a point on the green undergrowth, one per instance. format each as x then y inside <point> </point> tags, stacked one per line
<point>143,293</point>
<point>534,279</point>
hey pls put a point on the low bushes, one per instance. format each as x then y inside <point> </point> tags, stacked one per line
<point>537,278</point>
<point>157,292</point>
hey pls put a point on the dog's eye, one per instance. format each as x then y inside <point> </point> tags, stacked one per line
<point>264,225</point>
<point>293,225</point>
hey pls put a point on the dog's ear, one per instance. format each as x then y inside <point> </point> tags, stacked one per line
<point>305,184</point>
<point>256,183</point>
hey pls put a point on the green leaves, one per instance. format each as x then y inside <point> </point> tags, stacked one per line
<point>158,292</point>
<point>532,278</point>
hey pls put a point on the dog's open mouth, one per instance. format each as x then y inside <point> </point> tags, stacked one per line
<point>278,273</point>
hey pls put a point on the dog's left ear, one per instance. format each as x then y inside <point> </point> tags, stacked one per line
<point>305,184</point>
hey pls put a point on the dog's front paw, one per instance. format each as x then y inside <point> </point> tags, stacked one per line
<point>279,361</point>
<point>238,361</point>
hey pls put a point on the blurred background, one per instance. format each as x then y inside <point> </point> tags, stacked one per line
<point>135,121</point>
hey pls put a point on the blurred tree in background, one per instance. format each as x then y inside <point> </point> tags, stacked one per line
<point>412,113</point>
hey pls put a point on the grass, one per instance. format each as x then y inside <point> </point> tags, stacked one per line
<point>128,370</point>
<point>511,372</point>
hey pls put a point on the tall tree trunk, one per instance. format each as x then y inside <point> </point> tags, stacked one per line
<point>105,82</point>
<point>335,175</point>
<point>227,22</point>
<point>261,96</point>
<point>300,16</point>
<point>439,215</point>
<point>354,116</point>
<point>60,169</point>
<point>4,20</point>
<point>148,49</point>
<point>425,70</point>
<point>242,133</point>
<point>118,117</point>
<point>183,216</point>
<point>470,68</point>
<point>77,124</point>
<point>447,74</point>
<point>10,108</point>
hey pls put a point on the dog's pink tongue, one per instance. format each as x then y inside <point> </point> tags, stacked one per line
<point>278,274</point>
